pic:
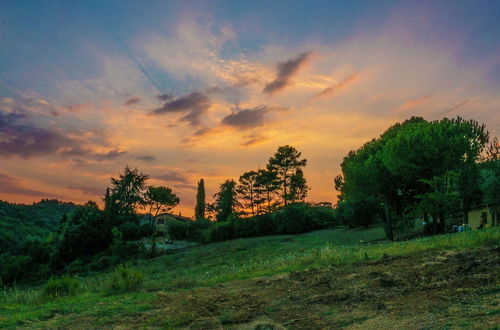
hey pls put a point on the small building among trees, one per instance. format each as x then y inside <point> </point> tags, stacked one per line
<point>481,218</point>
<point>162,220</point>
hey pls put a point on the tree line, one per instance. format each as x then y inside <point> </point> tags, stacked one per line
<point>437,170</point>
<point>260,191</point>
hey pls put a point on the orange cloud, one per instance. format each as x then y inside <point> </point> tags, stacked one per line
<point>411,104</point>
<point>336,87</point>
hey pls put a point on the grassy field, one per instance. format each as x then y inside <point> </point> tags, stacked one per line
<point>210,270</point>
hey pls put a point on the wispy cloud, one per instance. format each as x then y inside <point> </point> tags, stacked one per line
<point>285,72</point>
<point>147,158</point>
<point>133,100</point>
<point>246,118</point>
<point>194,104</point>
<point>172,177</point>
<point>413,103</point>
<point>455,107</point>
<point>331,90</point>
<point>254,141</point>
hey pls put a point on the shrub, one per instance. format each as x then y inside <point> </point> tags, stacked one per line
<point>100,262</point>
<point>13,268</point>
<point>125,279</point>
<point>178,229</point>
<point>295,219</point>
<point>324,216</point>
<point>220,231</point>
<point>65,286</point>
<point>190,230</point>
<point>292,219</point>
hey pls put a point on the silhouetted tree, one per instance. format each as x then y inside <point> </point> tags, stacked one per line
<point>225,200</point>
<point>285,163</point>
<point>200,201</point>
<point>160,199</point>
<point>249,192</point>
<point>268,183</point>
<point>298,186</point>
<point>128,192</point>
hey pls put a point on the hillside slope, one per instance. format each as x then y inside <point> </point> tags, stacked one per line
<point>331,278</point>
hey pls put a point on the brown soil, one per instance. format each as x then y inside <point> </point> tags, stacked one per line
<point>424,291</point>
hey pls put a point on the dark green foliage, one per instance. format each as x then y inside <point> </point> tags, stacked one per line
<point>359,212</point>
<point>292,219</point>
<point>200,201</point>
<point>26,235</point>
<point>13,268</point>
<point>490,187</point>
<point>19,222</point>
<point>188,230</point>
<point>416,166</point>
<point>131,231</point>
<point>225,200</point>
<point>83,234</point>
<point>58,287</point>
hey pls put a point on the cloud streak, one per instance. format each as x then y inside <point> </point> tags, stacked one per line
<point>132,101</point>
<point>247,118</point>
<point>285,72</point>
<point>172,177</point>
<point>331,90</point>
<point>193,105</point>
<point>413,103</point>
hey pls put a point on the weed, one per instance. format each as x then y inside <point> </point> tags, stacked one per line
<point>125,279</point>
<point>65,286</point>
<point>228,316</point>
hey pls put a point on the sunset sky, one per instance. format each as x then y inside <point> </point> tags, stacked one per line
<point>185,90</point>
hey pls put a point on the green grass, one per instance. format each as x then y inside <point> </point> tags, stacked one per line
<point>207,265</point>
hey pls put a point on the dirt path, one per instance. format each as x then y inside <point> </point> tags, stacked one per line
<point>429,290</point>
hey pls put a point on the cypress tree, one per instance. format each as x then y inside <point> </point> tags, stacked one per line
<point>200,201</point>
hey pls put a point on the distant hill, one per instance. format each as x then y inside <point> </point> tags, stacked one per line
<point>20,221</point>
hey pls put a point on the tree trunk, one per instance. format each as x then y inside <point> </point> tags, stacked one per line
<point>427,224</point>
<point>434,224</point>
<point>442,222</point>
<point>388,223</point>
<point>284,190</point>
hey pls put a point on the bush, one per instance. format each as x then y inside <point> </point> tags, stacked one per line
<point>125,279</point>
<point>178,229</point>
<point>324,216</point>
<point>101,262</point>
<point>77,266</point>
<point>13,268</point>
<point>292,219</point>
<point>65,286</point>
<point>127,250</point>
<point>188,230</point>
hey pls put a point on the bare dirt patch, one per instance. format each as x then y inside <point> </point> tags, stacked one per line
<point>427,290</point>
